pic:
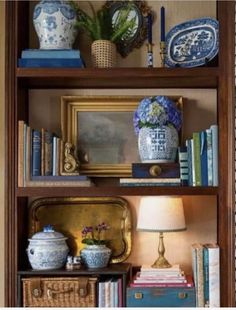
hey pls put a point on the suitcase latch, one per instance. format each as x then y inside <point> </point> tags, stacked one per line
<point>138,295</point>
<point>182,295</point>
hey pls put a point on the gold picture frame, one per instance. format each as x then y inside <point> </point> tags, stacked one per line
<point>70,215</point>
<point>106,108</point>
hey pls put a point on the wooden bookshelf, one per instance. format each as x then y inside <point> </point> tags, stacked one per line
<point>20,80</point>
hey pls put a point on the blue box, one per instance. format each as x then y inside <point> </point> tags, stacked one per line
<point>161,297</point>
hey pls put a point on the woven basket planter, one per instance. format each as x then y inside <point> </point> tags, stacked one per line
<point>103,54</point>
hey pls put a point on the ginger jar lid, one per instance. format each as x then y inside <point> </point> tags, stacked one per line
<point>48,234</point>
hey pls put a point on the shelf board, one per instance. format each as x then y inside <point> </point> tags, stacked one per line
<point>201,77</point>
<point>118,269</point>
<point>112,191</point>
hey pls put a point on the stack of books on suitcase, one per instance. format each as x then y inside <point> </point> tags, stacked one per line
<point>161,277</point>
<point>39,58</point>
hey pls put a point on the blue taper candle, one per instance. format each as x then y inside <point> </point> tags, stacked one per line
<point>163,24</point>
<point>149,17</point>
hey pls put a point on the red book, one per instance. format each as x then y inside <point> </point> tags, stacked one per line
<point>189,283</point>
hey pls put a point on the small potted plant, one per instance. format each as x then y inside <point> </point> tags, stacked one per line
<point>95,254</point>
<point>104,33</point>
<point>157,121</point>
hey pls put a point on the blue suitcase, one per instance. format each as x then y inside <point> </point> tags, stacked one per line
<point>161,297</point>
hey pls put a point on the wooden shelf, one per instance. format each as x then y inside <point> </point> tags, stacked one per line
<point>203,77</point>
<point>112,191</point>
<point>115,269</point>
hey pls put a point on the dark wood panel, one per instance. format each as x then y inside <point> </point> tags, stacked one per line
<point>226,11</point>
<point>118,78</point>
<point>111,191</point>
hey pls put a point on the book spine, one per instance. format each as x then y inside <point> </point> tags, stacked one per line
<point>21,146</point>
<point>189,150</point>
<point>183,162</point>
<point>206,276</point>
<point>30,183</point>
<point>28,154</point>
<point>42,151</point>
<point>36,153</point>
<point>48,153</point>
<point>193,164</point>
<point>194,267</point>
<point>209,157</point>
<point>120,295</point>
<point>50,63</point>
<point>107,293</point>
<point>204,168</point>
<point>25,153</point>
<point>58,157</point>
<point>197,158</point>
<point>200,280</point>
<point>214,277</point>
<point>214,130</point>
<point>152,184</point>
<point>54,155</point>
<point>37,53</point>
<point>101,294</point>
<point>116,293</point>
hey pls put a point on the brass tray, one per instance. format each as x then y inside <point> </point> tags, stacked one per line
<point>69,215</point>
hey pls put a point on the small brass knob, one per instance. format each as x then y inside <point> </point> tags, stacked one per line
<point>155,170</point>
<point>182,295</point>
<point>138,295</point>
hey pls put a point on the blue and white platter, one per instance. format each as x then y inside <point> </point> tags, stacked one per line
<point>192,43</point>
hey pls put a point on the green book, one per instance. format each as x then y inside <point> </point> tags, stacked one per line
<point>197,157</point>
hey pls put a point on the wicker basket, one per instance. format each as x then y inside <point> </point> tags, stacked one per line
<point>103,54</point>
<point>59,292</point>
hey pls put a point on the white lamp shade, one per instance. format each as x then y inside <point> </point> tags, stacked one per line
<point>161,213</point>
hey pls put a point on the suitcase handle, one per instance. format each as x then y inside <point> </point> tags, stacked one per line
<point>51,293</point>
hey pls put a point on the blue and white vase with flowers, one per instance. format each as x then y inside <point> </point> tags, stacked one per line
<point>157,121</point>
<point>95,254</point>
<point>54,22</point>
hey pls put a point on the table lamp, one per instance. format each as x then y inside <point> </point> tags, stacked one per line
<point>161,214</point>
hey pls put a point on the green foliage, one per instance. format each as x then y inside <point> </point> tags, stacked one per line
<point>100,26</point>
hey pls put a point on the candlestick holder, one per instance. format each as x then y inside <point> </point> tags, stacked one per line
<point>163,52</point>
<point>149,55</point>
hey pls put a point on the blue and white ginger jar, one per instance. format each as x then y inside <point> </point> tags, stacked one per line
<point>158,145</point>
<point>47,250</point>
<point>95,256</point>
<point>54,22</point>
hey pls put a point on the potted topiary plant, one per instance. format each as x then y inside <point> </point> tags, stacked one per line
<point>104,33</point>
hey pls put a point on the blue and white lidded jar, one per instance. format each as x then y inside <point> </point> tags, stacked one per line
<point>47,249</point>
<point>54,22</point>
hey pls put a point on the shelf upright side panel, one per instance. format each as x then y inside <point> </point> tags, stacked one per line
<point>16,38</point>
<point>226,237</point>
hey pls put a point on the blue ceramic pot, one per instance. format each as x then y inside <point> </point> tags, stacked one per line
<point>95,256</point>
<point>158,145</point>
<point>54,22</point>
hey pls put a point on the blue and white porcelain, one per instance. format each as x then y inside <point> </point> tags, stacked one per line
<point>54,22</point>
<point>158,145</point>
<point>95,256</point>
<point>47,250</point>
<point>192,43</point>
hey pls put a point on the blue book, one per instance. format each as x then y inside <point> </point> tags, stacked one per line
<point>36,153</point>
<point>214,130</point>
<point>189,151</point>
<point>40,53</point>
<point>203,155</point>
<point>206,276</point>
<point>50,63</point>
<point>209,157</point>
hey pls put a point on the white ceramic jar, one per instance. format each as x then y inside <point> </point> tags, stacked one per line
<point>47,250</point>
<point>54,22</point>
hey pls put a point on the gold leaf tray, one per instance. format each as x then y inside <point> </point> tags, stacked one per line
<point>69,215</point>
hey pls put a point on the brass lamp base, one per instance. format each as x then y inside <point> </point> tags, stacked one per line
<point>161,262</point>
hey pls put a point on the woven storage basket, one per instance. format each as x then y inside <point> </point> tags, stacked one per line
<point>103,54</point>
<point>59,292</point>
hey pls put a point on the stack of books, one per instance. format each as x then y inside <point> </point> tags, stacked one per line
<point>40,159</point>
<point>199,159</point>
<point>110,293</point>
<point>161,277</point>
<point>39,58</point>
<point>206,272</point>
